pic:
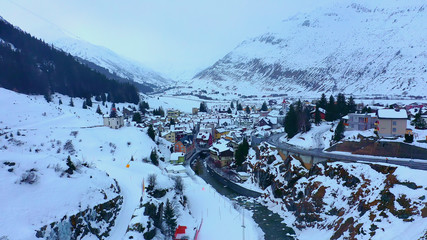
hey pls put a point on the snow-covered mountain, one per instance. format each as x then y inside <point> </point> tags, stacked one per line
<point>118,65</point>
<point>354,48</point>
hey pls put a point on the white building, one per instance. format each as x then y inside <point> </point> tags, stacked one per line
<point>114,120</point>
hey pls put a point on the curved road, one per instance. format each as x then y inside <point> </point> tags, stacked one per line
<point>319,153</point>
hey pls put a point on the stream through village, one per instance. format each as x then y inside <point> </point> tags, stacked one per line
<point>271,223</point>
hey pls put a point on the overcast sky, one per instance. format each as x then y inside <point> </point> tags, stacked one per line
<point>168,36</point>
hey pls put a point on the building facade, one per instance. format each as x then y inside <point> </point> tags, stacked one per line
<point>391,123</point>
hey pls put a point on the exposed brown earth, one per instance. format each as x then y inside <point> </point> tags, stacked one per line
<point>380,148</point>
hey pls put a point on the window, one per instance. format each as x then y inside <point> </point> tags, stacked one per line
<point>394,123</point>
<point>394,129</point>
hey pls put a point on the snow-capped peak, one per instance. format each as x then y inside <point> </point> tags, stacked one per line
<point>355,48</point>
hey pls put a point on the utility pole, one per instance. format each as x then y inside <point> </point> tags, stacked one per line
<point>243,223</point>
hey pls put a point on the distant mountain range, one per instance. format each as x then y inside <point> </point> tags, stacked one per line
<point>359,49</point>
<point>111,64</point>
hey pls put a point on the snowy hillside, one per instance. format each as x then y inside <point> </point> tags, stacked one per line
<point>41,196</point>
<point>116,64</point>
<point>355,48</point>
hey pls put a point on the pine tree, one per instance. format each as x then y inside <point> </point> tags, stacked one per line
<point>60,102</point>
<point>264,106</point>
<point>419,122</point>
<point>143,106</point>
<point>339,131</point>
<point>241,152</point>
<point>71,166</point>
<point>48,97</point>
<point>239,107</point>
<point>172,121</point>
<point>154,158</point>
<point>247,110</point>
<point>89,101</point>
<point>98,110</point>
<point>136,117</point>
<point>151,133</point>
<point>317,117</point>
<point>84,105</point>
<point>103,98</point>
<point>229,111</point>
<point>71,104</point>
<point>169,218</point>
<point>323,102</point>
<point>330,110</point>
<point>307,123</point>
<point>158,220</point>
<point>202,107</point>
<point>366,109</point>
<point>291,126</point>
<point>341,107</point>
<point>351,105</point>
<point>231,105</point>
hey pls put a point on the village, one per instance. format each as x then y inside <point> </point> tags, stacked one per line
<point>219,130</point>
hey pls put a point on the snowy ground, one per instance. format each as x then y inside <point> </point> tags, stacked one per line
<point>37,133</point>
<point>317,137</point>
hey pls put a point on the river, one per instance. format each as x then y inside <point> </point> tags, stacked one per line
<point>271,223</point>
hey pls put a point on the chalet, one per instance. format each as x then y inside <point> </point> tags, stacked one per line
<point>391,122</point>
<point>321,111</point>
<point>172,114</point>
<point>127,113</point>
<point>272,102</point>
<point>185,145</point>
<point>264,122</point>
<point>177,158</point>
<point>176,170</point>
<point>363,121</point>
<point>204,139</point>
<point>220,132</point>
<point>264,113</point>
<point>114,119</point>
<point>279,116</point>
<point>222,152</point>
<point>170,136</point>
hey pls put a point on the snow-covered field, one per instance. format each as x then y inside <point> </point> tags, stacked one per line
<point>38,135</point>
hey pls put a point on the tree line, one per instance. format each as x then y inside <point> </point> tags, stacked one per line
<point>298,119</point>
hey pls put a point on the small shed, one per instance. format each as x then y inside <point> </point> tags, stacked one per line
<point>176,169</point>
<point>177,158</point>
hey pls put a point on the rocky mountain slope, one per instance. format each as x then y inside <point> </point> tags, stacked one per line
<point>356,48</point>
<point>342,200</point>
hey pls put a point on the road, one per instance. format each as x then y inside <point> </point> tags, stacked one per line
<point>319,153</point>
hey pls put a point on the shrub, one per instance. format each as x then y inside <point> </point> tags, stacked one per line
<point>152,181</point>
<point>29,177</point>
<point>179,185</point>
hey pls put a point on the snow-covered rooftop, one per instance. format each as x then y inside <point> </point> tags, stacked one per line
<point>391,113</point>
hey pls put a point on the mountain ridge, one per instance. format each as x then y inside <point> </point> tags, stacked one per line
<point>350,48</point>
<point>114,63</point>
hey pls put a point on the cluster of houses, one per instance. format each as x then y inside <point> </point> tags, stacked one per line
<point>387,122</point>
<point>221,132</point>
